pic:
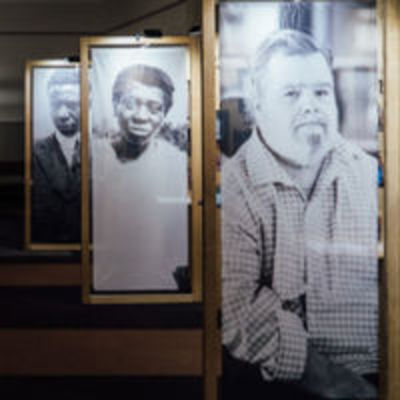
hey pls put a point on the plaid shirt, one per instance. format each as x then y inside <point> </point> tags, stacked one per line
<point>298,270</point>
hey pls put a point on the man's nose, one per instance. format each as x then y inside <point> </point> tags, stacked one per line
<point>63,112</point>
<point>308,102</point>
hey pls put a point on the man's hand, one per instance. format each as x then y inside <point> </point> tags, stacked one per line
<point>331,381</point>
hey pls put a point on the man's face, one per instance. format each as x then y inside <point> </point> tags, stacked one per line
<point>296,108</point>
<point>65,108</point>
<point>140,110</point>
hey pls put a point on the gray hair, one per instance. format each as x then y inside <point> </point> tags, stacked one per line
<point>288,42</point>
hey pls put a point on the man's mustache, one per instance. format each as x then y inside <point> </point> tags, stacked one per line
<point>312,120</point>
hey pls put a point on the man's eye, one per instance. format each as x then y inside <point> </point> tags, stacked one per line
<point>322,92</point>
<point>292,94</point>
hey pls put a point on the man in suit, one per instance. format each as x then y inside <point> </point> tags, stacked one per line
<point>56,191</point>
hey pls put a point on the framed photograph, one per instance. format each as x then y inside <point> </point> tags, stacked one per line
<point>52,156</point>
<point>306,285</point>
<point>144,154</point>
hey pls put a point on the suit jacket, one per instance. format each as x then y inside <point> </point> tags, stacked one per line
<point>56,191</point>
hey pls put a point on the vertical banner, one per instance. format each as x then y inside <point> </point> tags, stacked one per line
<point>140,168</point>
<point>144,189</point>
<point>299,140</point>
<point>53,166</point>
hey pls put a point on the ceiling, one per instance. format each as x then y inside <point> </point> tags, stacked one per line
<point>74,16</point>
<point>49,1</point>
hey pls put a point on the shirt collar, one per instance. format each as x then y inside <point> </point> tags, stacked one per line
<point>67,142</point>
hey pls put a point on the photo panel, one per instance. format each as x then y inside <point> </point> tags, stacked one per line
<point>301,169</point>
<point>145,171</point>
<point>52,156</point>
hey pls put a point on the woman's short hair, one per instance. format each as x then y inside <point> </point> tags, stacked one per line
<point>148,75</point>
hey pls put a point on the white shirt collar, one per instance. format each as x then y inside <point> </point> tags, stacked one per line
<point>67,145</point>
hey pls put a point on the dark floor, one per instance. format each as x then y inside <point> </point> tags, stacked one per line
<point>90,388</point>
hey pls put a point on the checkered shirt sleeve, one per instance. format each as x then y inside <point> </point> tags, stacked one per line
<point>256,328</point>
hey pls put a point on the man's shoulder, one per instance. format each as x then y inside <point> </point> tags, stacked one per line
<point>235,171</point>
<point>46,141</point>
<point>42,146</point>
<point>358,168</point>
<point>355,157</point>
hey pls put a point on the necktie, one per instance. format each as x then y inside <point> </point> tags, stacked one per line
<point>76,158</point>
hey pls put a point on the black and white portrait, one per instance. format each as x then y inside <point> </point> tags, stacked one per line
<point>55,127</point>
<point>140,169</point>
<point>299,147</point>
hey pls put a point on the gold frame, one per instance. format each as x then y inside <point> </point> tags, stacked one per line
<point>193,46</point>
<point>391,274</point>
<point>211,271</point>
<point>388,15</point>
<point>29,67</point>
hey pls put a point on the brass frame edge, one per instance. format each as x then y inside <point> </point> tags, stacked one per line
<point>88,295</point>
<point>30,65</point>
<point>390,367</point>
<point>211,339</point>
